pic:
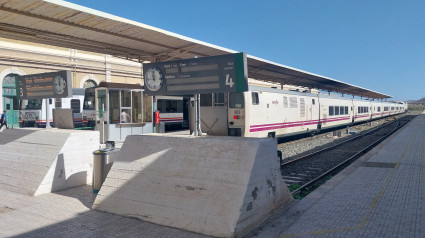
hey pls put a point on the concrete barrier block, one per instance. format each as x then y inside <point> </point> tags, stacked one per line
<point>217,186</point>
<point>37,161</point>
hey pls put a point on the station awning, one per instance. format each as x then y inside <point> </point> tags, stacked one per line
<point>64,24</point>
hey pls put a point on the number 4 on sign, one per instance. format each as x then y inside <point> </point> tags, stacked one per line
<point>229,81</point>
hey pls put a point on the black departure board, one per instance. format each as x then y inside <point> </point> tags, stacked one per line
<point>215,74</point>
<point>45,85</point>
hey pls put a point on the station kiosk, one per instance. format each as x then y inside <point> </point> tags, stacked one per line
<point>121,110</point>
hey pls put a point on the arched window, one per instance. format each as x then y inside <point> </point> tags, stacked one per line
<point>90,84</point>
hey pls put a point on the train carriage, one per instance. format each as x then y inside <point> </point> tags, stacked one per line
<point>376,110</point>
<point>32,112</point>
<point>271,112</point>
<point>335,111</point>
<point>361,110</point>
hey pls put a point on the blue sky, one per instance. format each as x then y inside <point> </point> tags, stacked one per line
<point>378,45</point>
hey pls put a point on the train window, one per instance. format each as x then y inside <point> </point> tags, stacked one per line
<point>58,103</point>
<point>236,100</point>
<point>379,109</point>
<point>75,105</point>
<point>285,102</point>
<point>331,110</point>
<point>31,104</point>
<point>206,100</point>
<point>171,106</point>
<point>336,110</point>
<point>346,110</point>
<point>302,107</point>
<point>218,100</point>
<point>341,110</point>
<point>313,101</point>
<point>89,99</point>
<point>293,102</point>
<point>255,99</point>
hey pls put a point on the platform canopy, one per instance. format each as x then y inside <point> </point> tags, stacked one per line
<point>64,24</point>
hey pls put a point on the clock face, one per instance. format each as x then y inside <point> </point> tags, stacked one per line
<point>59,84</point>
<point>154,79</point>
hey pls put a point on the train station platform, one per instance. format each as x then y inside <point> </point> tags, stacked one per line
<point>379,195</point>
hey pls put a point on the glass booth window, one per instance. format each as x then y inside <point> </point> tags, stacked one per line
<point>136,108</point>
<point>125,98</point>
<point>125,115</point>
<point>114,106</point>
<point>147,108</point>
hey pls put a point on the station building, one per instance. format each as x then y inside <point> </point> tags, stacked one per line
<point>87,69</point>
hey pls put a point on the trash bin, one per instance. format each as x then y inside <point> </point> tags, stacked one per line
<point>102,163</point>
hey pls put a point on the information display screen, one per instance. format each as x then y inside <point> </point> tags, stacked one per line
<point>46,85</point>
<point>215,74</point>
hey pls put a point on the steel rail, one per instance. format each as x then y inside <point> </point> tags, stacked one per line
<point>340,143</point>
<point>358,154</point>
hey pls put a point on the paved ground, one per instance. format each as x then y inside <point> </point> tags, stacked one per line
<point>68,214</point>
<point>380,195</point>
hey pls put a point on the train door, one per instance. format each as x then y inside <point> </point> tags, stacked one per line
<point>314,111</point>
<point>213,114</point>
<point>10,100</point>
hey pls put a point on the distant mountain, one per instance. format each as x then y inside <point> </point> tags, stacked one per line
<point>420,101</point>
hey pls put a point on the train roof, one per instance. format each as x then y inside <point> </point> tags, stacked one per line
<point>120,85</point>
<point>64,24</point>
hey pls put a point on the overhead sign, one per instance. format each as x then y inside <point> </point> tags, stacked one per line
<point>46,85</point>
<point>215,74</point>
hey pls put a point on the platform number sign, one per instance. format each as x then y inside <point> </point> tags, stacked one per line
<point>215,74</point>
<point>229,81</point>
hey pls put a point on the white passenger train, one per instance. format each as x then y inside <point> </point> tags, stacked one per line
<point>170,110</point>
<point>32,112</point>
<point>269,112</point>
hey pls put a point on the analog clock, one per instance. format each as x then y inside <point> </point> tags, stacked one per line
<point>154,79</point>
<point>59,84</point>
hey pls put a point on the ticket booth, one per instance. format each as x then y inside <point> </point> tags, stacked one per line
<point>121,110</point>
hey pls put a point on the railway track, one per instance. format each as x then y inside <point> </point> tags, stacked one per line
<point>304,173</point>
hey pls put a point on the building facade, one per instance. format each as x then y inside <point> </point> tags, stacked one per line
<point>87,69</point>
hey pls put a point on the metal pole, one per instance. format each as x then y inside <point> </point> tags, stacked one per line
<point>195,128</point>
<point>47,115</point>
<point>103,123</point>
<point>198,106</point>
